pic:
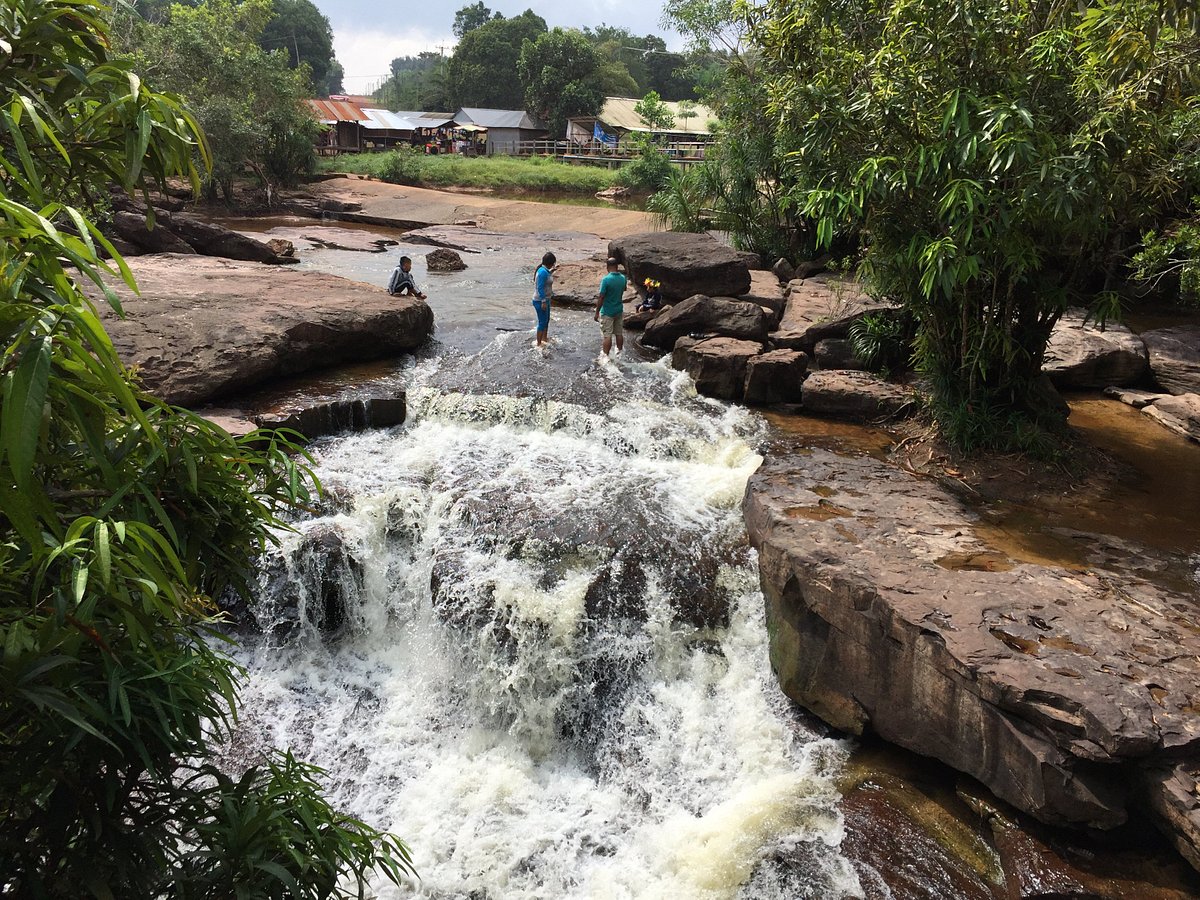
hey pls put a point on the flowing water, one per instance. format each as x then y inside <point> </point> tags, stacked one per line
<point>550,675</point>
<point>525,631</point>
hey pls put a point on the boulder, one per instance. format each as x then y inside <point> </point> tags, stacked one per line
<point>1082,355</point>
<point>1179,413</point>
<point>315,589</point>
<point>807,268</point>
<point>578,283</point>
<point>783,270</point>
<point>282,248</point>
<point>334,205</point>
<point>203,327</point>
<point>765,290</point>
<point>713,315</point>
<point>717,365</point>
<point>216,240</point>
<point>752,260</point>
<point>889,612</point>
<point>836,353</point>
<point>775,377</point>
<point>131,227</point>
<point>444,260</point>
<point>637,319</point>
<point>860,396</point>
<point>614,194</point>
<point>820,308</point>
<point>1175,357</point>
<point>686,264</point>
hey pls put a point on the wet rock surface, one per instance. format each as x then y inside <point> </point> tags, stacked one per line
<point>686,264</point>
<point>203,328</point>
<point>1082,355</point>
<point>889,614</point>
<point>717,365</point>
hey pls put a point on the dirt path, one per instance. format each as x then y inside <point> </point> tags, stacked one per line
<point>404,204</point>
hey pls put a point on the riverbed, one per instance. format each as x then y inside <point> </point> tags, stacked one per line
<point>497,694</point>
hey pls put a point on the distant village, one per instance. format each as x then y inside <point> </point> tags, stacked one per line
<point>355,124</point>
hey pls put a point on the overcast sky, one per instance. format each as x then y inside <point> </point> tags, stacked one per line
<point>369,34</point>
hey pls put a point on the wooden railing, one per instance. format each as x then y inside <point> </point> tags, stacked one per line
<point>682,152</point>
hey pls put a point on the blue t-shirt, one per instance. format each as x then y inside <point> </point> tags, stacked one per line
<point>612,289</point>
<point>542,281</point>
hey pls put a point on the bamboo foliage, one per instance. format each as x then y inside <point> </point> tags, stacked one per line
<point>121,519</point>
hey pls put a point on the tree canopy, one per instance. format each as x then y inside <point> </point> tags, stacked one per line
<point>471,17</point>
<point>990,165</point>
<point>559,73</point>
<point>299,28</point>
<point>121,522</point>
<point>247,100</point>
<point>483,69</point>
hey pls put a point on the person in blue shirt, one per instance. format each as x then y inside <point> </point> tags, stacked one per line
<point>543,289</point>
<point>610,309</point>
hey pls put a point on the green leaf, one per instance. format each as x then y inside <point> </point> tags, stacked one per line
<point>25,400</point>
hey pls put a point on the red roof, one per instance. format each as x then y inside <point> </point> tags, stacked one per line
<point>337,111</point>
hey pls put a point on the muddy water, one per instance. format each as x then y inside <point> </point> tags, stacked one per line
<point>549,750</point>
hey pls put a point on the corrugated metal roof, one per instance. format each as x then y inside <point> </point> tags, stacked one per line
<point>330,111</point>
<point>383,120</point>
<point>617,112</point>
<point>498,118</point>
<point>426,119</point>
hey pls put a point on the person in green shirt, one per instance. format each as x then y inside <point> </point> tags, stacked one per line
<point>609,308</point>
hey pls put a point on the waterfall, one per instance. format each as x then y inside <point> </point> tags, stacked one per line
<point>526,636</point>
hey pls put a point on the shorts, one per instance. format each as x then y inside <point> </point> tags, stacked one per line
<point>611,325</point>
<point>542,308</point>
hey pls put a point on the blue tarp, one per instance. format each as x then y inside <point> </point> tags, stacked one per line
<point>603,136</point>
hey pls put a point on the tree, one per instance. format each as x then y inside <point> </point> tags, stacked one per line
<point>999,164</point>
<point>299,28</point>
<point>483,69</point>
<point>656,114</point>
<point>559,73</point>
<point>121,521</point>
<point>471,17</point>
<point>687,111</point>
<point>248,101</point>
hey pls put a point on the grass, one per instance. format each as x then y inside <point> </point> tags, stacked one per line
<point>503,173</point>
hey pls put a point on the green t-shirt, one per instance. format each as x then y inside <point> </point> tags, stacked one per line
<point>612,289</point>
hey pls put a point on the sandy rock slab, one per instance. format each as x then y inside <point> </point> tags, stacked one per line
<point>204,328</point>
<point>1058,689</point>
<point>822,307</point>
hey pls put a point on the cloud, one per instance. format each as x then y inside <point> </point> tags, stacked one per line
<point>367,53</point>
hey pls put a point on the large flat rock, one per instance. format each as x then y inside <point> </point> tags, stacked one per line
<point>823,307</point>
<point>888,612</point>
<point>1175,357</point>
<point>204,328</point>
<point>1080,354</point>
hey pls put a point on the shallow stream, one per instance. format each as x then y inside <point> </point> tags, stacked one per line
<point>550,676</point>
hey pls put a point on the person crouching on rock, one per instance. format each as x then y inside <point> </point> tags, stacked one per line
<point>402,281</point>
<point>609,308</point>
<point>543,289</point>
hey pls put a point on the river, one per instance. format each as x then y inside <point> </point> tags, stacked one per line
<point>550,675</point>
<point>581,705</point>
